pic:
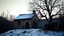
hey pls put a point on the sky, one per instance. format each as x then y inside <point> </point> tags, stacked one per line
<point>15,7</point>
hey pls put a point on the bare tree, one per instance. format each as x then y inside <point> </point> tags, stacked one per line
<point>7,15</point>
<point>48,6</point>
<point>11,17</point>
<point>2,14</point>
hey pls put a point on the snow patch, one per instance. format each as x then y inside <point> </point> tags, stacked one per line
<point>31,32</point>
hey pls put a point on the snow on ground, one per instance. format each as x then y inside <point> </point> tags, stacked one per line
<point>31,32</point>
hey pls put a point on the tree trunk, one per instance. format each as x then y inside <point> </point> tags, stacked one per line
<point>50,18</point>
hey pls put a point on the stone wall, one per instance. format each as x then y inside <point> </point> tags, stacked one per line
<point>23,23</point>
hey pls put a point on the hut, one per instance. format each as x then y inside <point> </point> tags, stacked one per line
<point>26,20</point>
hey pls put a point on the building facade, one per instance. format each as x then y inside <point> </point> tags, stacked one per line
<point>26,21</point>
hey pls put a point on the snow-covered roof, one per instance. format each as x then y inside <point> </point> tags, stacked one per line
<point>24,16</point>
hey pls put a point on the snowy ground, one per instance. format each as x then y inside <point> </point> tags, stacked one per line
<point>31,32</point>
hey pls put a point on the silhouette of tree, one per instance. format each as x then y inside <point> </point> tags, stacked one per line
<point>2,14</point>
<point>61,25</point>
<point>48,6</point>
<point>5,25</point>
<point>11,17</point>
<point>7,15</point>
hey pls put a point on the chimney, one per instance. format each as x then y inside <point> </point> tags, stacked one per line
<point>34,11</point>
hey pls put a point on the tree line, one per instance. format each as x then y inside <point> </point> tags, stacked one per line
<point>7,15</point>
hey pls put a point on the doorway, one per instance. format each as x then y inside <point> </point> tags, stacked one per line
<point>27,25</point>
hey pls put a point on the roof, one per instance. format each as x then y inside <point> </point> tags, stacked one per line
<point>24,16</point>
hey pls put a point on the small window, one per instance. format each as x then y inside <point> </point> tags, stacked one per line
<point>18,22</point>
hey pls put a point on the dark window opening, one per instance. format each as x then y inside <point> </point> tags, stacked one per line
<point>18,22</point>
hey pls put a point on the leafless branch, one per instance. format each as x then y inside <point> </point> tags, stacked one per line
<point>57,13</point>
<point>46,18</point>
<point>41,14</point>
<point>55,6</point>
<point>55,2</point>
<point>39,6</point>
<point>41,0</point>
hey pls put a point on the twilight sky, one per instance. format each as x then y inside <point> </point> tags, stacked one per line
<point>14,7</point>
